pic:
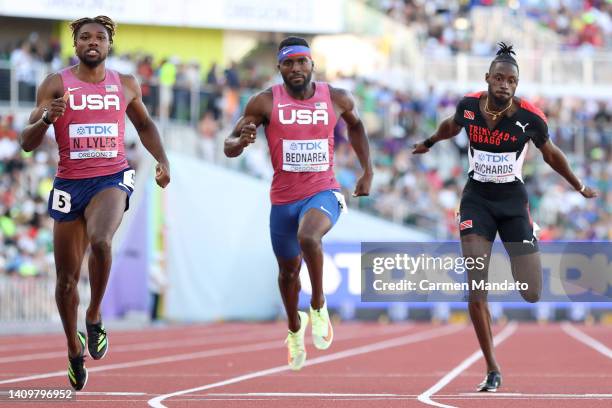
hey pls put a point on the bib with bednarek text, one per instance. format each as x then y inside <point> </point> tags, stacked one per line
<point>306,155</point>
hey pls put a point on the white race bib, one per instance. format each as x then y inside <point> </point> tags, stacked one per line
<point>306,155</point>
<point>61,201</point>
<point>491,167</point>
<point>93,140</point>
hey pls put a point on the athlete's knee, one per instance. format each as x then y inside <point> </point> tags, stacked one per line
<point>309,241</point>
<point>531,295</point>
<point>65,284</point>
<point>288,274</point>
<point>101,246</point>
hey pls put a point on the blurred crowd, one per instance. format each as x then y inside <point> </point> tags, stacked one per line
<point>26,230</point>
<point>419,191</point>
<point>424,191</point>
<point>444,26</point>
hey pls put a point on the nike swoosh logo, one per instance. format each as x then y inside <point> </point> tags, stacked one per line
<point>74,89</point>
<point>284,105</point>
<point>330,332</point>
<point>286,52</point>
<point>323,208</point>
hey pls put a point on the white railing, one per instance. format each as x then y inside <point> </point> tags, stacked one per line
<point>33,299</point>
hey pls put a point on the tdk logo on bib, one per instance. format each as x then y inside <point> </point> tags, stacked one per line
<point>94,102</point>
<point>493,158</point>
<point>93,129</point>
<point>308,145</point>
<point>303,117</point>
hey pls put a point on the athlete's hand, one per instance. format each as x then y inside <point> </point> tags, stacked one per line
<point>248,134</point>
<point>57,107</point>
<point>419,148</point>
<point>162,174</point>
<point>589,193</point>
<point>362,188</point>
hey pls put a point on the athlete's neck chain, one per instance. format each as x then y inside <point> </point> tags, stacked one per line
<point>494,115</point>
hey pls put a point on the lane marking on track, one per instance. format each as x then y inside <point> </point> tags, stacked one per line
<point>192,356</point>
<point>544,396</point>
<point>158,345</point>
<point>584,338</point>
<point>303,394</point>
<point>133,339</point>
<point>382,345</point>
<point>425,397</point>
<point>112,393</point>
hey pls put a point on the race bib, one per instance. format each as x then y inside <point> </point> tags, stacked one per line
<point>494,167</point>
<point>93,140</point>
<point>129,178</point>
<point>61,201</point>
<point>306,155</point>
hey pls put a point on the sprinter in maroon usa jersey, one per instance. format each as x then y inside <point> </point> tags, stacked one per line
<point>86,104</point>
<point>499,127</point>
<point>299,116</point>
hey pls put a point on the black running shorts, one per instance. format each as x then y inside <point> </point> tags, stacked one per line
<point>488,208</point>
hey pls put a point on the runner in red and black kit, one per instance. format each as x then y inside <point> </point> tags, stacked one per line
<point>500,126</point>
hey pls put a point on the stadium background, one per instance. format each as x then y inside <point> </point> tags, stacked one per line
<point>202,247</point>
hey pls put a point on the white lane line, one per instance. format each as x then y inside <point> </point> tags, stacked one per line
<point>196,355</point>
<point>425,397</point>
<point>113,393</point>
<point>586,339</point>
<point>157,345</point>
<point>464,395</point>
<point>518,394</point>
<point>163,344</point>
<point>132,337</point>
<point>126,337</point>
<point>303,394</point>
<point>382,345</point>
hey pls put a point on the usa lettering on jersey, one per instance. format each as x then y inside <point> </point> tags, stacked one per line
<point>303,116</point>
<point>94,102</point>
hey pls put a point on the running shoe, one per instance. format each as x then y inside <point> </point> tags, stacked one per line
<point>491,382</point>
<point>97,340</point>
<point>77,373</point>
<point>322,331</point>
<point>295,344</point>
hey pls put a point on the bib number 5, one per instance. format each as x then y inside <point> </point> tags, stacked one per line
<point>61,201</point>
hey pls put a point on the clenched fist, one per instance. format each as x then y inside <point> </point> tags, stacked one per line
<point>57,107</point>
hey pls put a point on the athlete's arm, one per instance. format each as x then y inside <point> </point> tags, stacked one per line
<point>557,160</point>
<point>448,128</point>
<point>147,131</point>
<point>48,96</point>
<point>245,131</point>
<point>358,138</point>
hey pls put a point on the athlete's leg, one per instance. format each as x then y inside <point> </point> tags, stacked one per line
<point>522,246</point>
<point>103,216</point>
<point>289,285</point>
<point>69,242</point>
<point>474,246</point>
<point>283,230</point>
<point>313,225</point>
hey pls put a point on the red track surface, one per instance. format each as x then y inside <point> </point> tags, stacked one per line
<point>368,365</point>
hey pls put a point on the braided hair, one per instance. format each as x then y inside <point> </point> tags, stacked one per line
<point>104,21</point>
<point>504,54</point>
